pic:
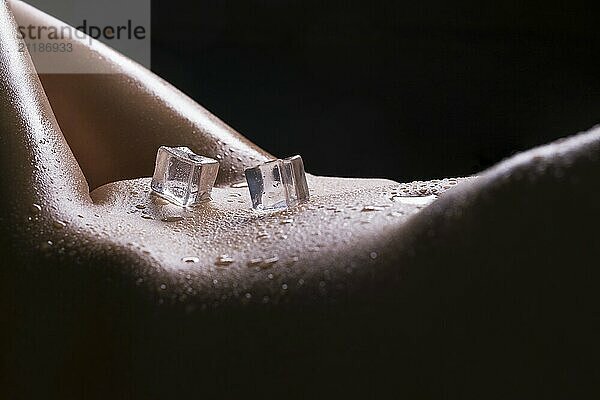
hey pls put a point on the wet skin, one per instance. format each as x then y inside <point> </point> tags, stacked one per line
<point>113,293</point>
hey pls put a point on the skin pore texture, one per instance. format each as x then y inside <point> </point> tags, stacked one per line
<point>473,287</point>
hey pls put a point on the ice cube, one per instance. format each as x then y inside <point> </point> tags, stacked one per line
<point>182,176</point>
<point>277,184</point>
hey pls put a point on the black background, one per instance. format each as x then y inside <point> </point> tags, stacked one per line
<point>386,89</point>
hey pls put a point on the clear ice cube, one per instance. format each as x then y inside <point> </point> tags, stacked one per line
<point>277,184</point>
<point>182,176</point>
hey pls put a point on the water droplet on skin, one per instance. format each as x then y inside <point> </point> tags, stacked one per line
<point>396,214</point>
<point>254,262</point>
<point>248,295</point>
<point>270,261</point>
<point>270,276</point>
<point>284,286</point>
<point>163,286</point>
<point>239,184</point>
<point>36,208</point>
<point>190,260</point>
<point>160,201</point>
<point>286,221</point>
<point>372,208</point>
<point>224,260</point>
<point>263,235</point>
<point>59,224</point>
<point>373,255</point>
<point>172,218</point>
<point>140,206</point>
<point>146,216</point>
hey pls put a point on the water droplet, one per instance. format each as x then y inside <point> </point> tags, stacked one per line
<point>147,216</point>
<point>286,221</point>
<point>263,235</point>
<point>172,218</point>
<point>372,208</point>
<point>59,224</point>
<point>254,262</point>
<point>160,201</point>
<point>224,260</point>
<point>36,208</point>
<point>270,276</point>
<point>239,184</point>
<point>284,286</point>
<point>140,206</point>
<point>270,261</point>
<point>163,286</point>
<point>373,255</point>
<point>248,295</point>
<point>190,259</point>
